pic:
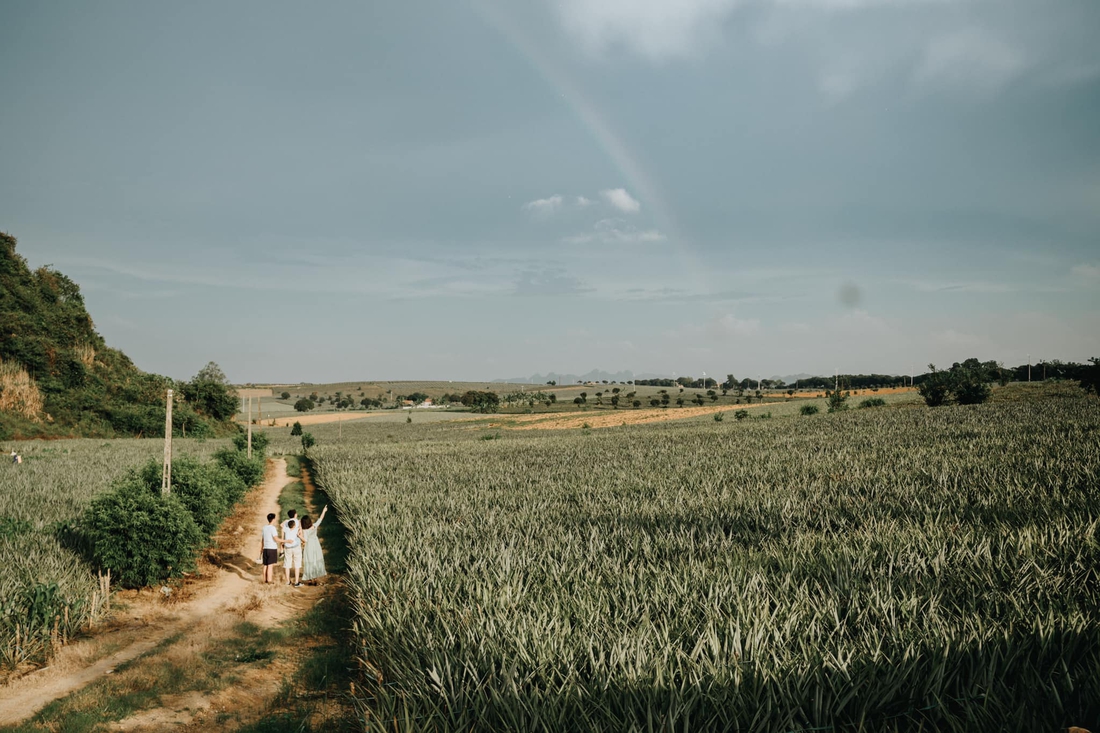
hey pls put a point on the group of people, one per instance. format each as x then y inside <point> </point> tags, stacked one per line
<point>15,457</point>
<point>301,548</point>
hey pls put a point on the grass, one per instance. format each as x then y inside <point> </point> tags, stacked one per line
<point>899,568</point>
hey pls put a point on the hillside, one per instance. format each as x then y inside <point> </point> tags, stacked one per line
<point>59,377</point>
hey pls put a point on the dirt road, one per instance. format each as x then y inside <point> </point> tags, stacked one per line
<point>229,589</point>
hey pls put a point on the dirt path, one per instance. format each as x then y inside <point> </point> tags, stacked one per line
<point>228,590</point>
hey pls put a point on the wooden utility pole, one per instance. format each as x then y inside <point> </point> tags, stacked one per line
<point>259,394</point>
<point>166,474</point>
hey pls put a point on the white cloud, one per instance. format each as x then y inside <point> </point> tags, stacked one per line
<point>658,29</point>
<point>1086,270</point>
<point>662,30</point>
<point>621,200</point>
<point>970,59</point>
<point>584,202</point>
<point>616,231</point>
<point>544,207</point>
<point>730,325</point>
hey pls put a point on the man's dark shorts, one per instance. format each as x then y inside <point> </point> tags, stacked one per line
<point>271,557</point>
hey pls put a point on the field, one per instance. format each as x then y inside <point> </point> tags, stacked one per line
<point>896,569</point>
<point>37,499</point>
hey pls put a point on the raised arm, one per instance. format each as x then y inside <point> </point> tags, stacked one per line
<point>322,517</point>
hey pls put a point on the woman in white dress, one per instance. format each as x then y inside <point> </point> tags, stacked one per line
<point>313,559</point>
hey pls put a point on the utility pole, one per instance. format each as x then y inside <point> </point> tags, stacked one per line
<point>1029,367</point>
<point>250,427</point>
<point>166,474</point>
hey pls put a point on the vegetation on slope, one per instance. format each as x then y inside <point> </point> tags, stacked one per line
<point>59,377</point>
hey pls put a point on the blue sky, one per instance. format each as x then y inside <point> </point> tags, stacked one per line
<point>472,190</point>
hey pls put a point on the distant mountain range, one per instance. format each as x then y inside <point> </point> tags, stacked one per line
<point>598,375</point>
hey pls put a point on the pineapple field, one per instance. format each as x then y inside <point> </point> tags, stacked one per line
<point>906,569</point>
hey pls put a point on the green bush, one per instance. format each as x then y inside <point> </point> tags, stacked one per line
<point>872,402</point>
<point>809,410</point>
<point>259,442</point>
<point>740,415</point>
<point>250,471</point>
<point>198,488</point>
<point>970,388</point>
<point>297,429</point>
<point>142,537</point>
<point>838,399</point>
<point>935,387</point>
<point>307,441</point>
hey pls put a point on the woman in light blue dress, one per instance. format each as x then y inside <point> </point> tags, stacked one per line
<point>313,559</point>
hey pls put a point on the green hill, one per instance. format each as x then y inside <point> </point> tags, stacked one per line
<point>59,377</point>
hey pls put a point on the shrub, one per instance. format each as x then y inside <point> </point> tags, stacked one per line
<point>304,405</point>
<point>872,402</point>
<point>935,387</point>
<point>198,488</point>
<point>259,442</point>
<point>717,417</point>
<point>297,429</point>
<point>809,410</point>
<point>308,441</point>
<point>250,471</point>
<point>142,537</point>
<point>286,395</point>
<point>969,388</point>
<point>741,415</point>
<point>838,400</point>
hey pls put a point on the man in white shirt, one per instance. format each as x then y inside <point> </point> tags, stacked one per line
<point>269,548</point>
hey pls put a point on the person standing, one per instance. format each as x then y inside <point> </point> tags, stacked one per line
<point>313,558</point>
<point>269,548</point>
<point>292,551</point>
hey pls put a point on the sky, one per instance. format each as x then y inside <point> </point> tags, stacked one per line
<point>481,189</point>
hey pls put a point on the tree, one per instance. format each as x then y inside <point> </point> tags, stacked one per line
<point>935,387</point>
<point>210,394</point>
<point>1090,376</point>
<point>680,401</point>
<point>552,383</point>
<point>637,404</point>
<point>553,397</point>
<point>304,405</point>
<point>481,401</point>
<point>297,429</point>
<point>308,441</point>
<point>838,399</point>
<point>969,386</point>
<point>286,395</point>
